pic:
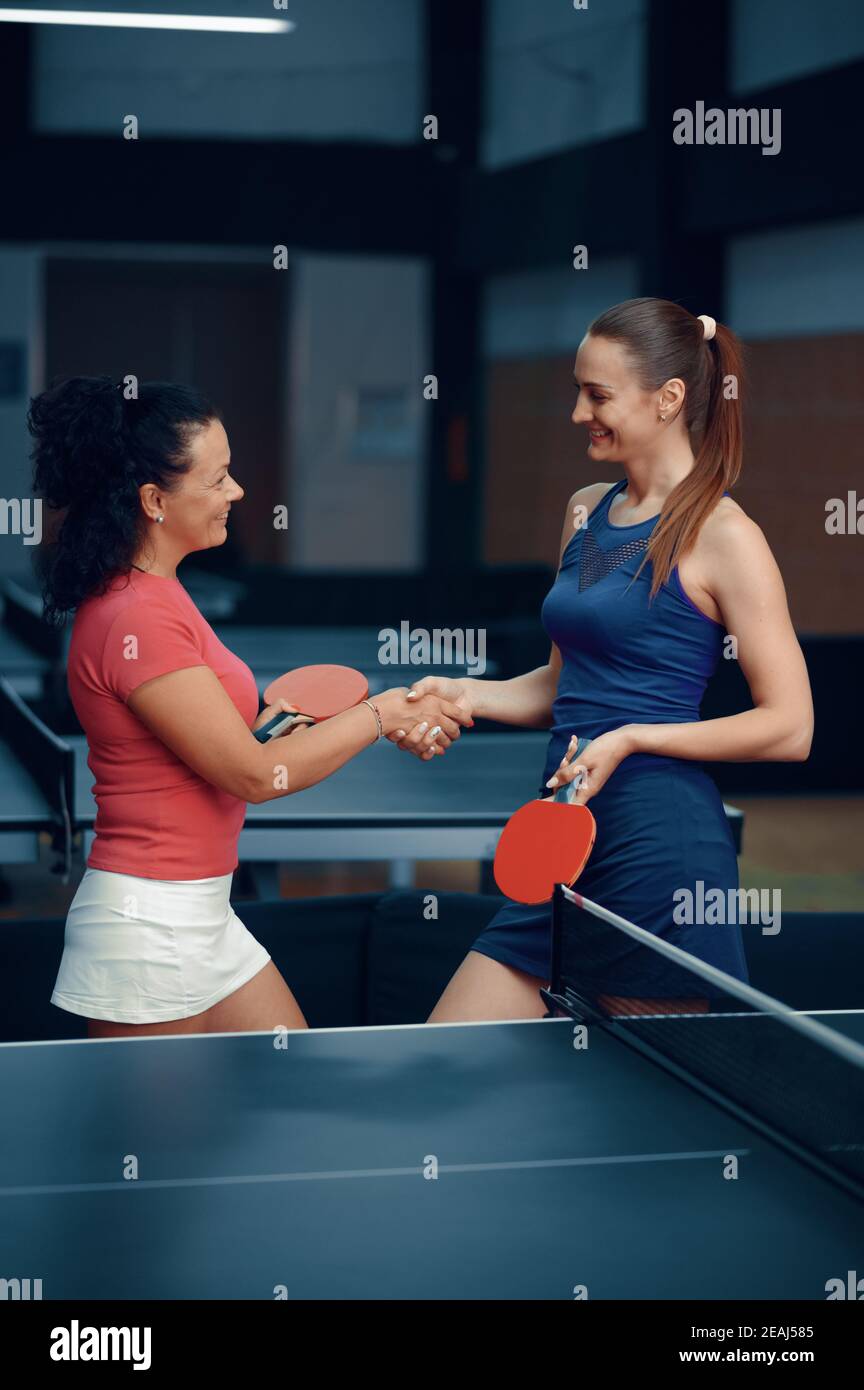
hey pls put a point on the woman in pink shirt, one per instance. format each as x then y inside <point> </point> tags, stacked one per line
<point>152,943</point>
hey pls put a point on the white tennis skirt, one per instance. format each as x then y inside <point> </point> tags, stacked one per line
<point>145,950</point>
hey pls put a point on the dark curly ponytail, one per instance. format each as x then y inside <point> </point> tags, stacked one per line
<point>94,449</point>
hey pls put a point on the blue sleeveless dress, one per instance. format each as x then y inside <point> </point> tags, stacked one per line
<point>661,826</point>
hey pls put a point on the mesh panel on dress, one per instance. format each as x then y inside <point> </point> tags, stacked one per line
<point>596,563</point>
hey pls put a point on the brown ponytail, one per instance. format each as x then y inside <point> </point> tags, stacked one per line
<point>663,341</point>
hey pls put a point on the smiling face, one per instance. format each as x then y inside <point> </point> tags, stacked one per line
<point>619,417</point>
<point>200,506</point>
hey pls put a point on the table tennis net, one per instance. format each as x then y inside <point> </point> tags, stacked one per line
<point>791,1072</point>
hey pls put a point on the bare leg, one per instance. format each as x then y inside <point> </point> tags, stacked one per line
<point>106,1028</point>
<point>265,1002</point>
<point>483,989</point>
<point>262,1004</point>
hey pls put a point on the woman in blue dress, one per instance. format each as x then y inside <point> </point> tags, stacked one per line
<point>661,575</point>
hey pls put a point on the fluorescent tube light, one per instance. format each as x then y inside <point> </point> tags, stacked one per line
<point>224,24</point>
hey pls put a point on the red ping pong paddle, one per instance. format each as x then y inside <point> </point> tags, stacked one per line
<point>318,692</point>
<point>547,841</point>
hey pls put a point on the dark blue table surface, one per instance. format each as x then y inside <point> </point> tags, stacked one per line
<point>479,1161</point>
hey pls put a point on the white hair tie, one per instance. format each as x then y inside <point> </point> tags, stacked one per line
<point>709,325</point>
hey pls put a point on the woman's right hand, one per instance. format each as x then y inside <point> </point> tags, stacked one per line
<point>424,724</point>
<point>460,692</point>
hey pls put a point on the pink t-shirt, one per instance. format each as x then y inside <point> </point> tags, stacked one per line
<point>156,817</point>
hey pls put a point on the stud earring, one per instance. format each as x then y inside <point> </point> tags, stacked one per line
<point>160,518</point>
<point>662,417</point>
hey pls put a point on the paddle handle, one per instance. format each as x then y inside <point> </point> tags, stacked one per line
<point>565,795</point>
<point>278,724</point>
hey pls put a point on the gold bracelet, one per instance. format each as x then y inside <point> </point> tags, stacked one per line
<point>378,719</point>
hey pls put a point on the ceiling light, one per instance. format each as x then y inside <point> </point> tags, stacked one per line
<point>224,24</point>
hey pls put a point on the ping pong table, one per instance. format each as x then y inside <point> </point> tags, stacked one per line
<point>215,595</point>
<point>25,669</point>
<point>270,651</point>
<point>31,652</point>
<point>464,1161</point>
<point>33,655</point>
<point>387,805</point>
<point>384,805</point>
<point>37,770</point>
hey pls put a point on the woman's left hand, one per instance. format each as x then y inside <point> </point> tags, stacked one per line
<point>594,768</point>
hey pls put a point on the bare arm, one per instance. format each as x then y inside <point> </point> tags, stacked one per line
<point>743,578</point>
<point>527,700</point>
<point>195,717</point>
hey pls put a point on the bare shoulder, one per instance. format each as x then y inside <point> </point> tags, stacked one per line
<point>588,497</point>
<point>729,528</point>
<point>579,508</point>
<point>728,540</point>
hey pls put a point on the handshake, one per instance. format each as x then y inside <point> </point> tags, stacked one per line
<point>429,717</point>
<point>424,720</point>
